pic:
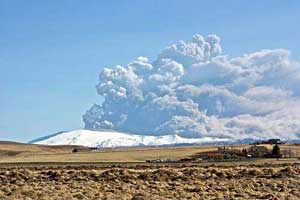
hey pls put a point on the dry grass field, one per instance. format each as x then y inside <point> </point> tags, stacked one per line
<point>138,182</point>
<point>54,172</point>
<point>17,152</point>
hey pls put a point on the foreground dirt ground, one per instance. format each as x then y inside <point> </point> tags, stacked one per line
<point>180,181</point>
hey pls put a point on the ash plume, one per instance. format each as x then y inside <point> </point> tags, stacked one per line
<point>193,89</point>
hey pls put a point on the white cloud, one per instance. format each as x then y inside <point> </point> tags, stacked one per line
<point>194,90</point>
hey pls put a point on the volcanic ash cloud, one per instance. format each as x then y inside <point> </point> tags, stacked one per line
<point>193,89</point>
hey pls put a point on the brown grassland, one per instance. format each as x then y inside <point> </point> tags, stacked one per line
<point>44,172</point>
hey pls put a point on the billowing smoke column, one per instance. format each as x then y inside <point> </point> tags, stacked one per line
<point>194,90</point>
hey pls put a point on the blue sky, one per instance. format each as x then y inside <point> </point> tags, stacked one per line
<point>51,52</point>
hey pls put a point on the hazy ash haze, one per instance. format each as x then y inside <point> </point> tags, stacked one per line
<point>194,89</point>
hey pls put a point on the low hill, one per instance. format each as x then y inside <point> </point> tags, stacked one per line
<point>8,148</point>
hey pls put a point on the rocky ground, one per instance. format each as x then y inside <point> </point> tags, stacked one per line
<point>139,182</point>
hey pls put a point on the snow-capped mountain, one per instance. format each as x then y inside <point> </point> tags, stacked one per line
<point>111,139</point>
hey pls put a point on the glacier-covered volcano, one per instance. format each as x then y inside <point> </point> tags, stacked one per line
<point>112,139</point>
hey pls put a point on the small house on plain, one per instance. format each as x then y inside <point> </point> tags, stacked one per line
<point>210,155</point>
<point>258,151</point>
<point>221,154</point>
